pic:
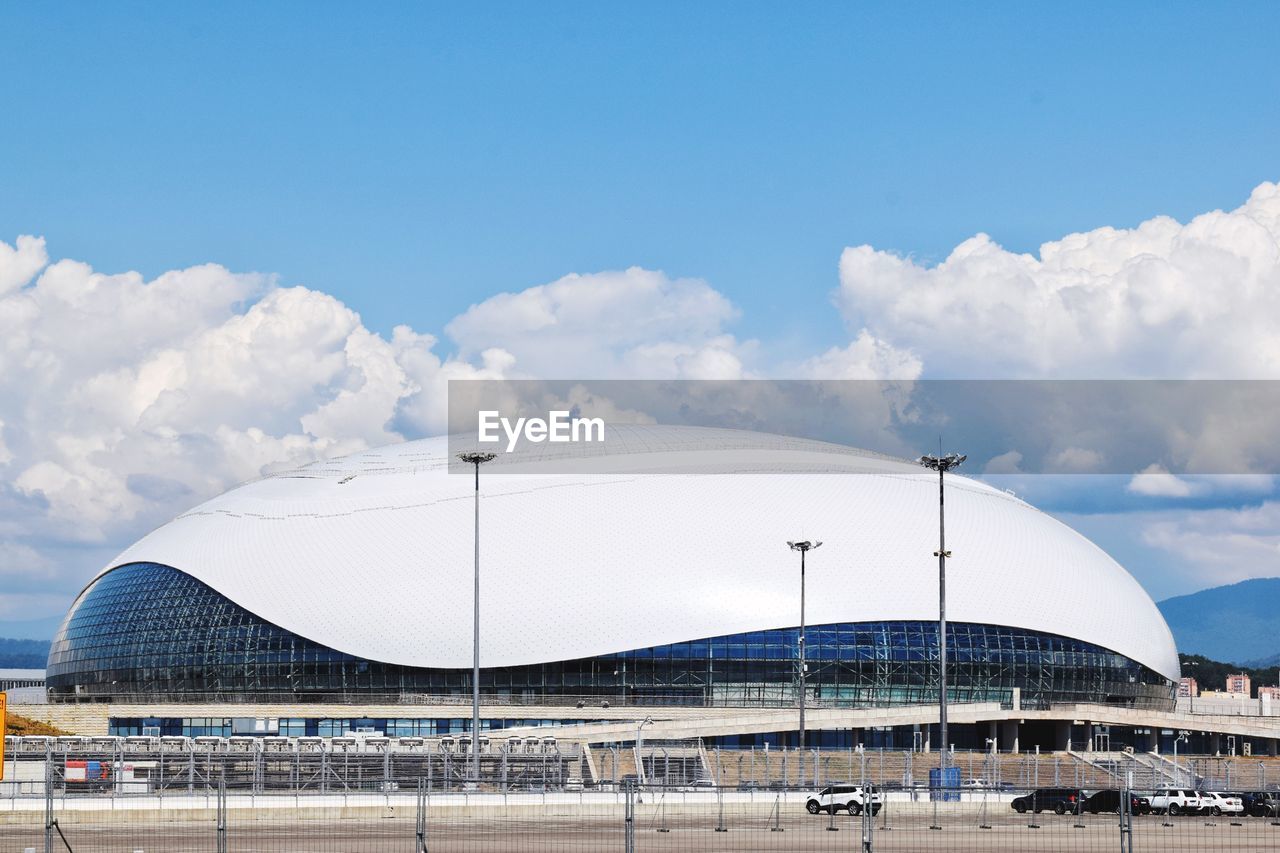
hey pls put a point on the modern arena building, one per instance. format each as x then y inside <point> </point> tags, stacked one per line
<point>660,578</point>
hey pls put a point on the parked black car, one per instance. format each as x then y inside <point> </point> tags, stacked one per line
<point>1260,803</point>
<point>1060,800</point>
<point>1109,801</point>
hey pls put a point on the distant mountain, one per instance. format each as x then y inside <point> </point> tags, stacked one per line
<point>1238,623</point>
<point>23,654</point>
<point>1269,662</point>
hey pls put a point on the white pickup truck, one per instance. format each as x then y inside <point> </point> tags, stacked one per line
<point>1176,801</point>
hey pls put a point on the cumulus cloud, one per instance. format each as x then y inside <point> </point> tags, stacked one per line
<point>122,396</point>
<point>1074,460</point>
<point>1228,545</point>
<point>1005,463</point>
<point>1164,299</point>
<point>1155,481</point>
<point>866,357</point>
<point>633,323</point>
<point>124,399</point>
<point>20,262</point>
<point>23,561</point>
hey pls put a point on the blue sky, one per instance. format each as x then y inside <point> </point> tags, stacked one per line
<point>740,191</point>
<point>412,159</point>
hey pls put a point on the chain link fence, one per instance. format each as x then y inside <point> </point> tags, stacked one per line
<point>630,820</point>
<point>841,817</point>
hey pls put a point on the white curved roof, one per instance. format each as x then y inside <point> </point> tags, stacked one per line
<point>379,564</point>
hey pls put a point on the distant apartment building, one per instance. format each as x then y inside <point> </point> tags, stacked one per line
<point>1273,693</point>
<point>1188,688</point>
<point>1239,683</point>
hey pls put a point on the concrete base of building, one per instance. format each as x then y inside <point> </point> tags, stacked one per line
<point>1013,729</point>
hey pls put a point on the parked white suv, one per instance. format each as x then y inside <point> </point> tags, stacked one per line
<point>1176,801</point>
<point>1217,803</point>
<point>851,798</point>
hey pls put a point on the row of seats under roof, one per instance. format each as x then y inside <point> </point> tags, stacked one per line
<point>276,743</point>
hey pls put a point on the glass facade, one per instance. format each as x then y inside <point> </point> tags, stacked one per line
<point>150,632</point>
<point>326,726</point>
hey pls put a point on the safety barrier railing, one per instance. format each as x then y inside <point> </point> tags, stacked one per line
<point>837,817</point>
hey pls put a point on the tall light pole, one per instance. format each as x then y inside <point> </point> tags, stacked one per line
<point>647,721</point>
<point>942,464</point>
<point>476,459</point>
<point>1185,737</point>
<point>804,548</point>
<point>1191,693</point>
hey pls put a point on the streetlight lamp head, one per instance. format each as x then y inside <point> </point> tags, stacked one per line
<point>804,546</point>
<point>942,463</point>
<point>477,457</point>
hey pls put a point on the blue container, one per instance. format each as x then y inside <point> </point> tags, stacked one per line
<point>945,787</point>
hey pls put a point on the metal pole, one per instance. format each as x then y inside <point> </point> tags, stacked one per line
<point>629,819</point>
<point>803,547</point>
<point>1126,817</point>
<point>942,464</point>
<point>475,644</point>
<point>420,829</point>
<point>222,816</point>
<point>48,797</point>
<point>476,460</point>
<point>720,827</point>
<point>802,657</point>
<point>868,816</point>
<point>942,627</point>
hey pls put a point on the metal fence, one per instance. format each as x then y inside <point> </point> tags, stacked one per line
<point>536,794</point>
<point>632,819</point>
<point>169,767</point>
<point>174,765</point>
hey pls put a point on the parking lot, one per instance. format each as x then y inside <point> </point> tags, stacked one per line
<point>706,825</point>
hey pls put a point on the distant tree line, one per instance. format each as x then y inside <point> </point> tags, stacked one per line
<point>23,654</point>
<point>1212,674</point>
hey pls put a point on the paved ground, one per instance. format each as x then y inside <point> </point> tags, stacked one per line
<point>689,831</point>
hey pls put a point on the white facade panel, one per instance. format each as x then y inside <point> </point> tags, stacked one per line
<point>379,565</point>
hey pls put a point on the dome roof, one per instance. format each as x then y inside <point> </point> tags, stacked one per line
<point>371,554</point>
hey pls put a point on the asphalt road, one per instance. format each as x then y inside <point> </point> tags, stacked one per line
<point>692,832</point>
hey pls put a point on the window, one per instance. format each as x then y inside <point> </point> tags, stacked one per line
<point>149,631</point>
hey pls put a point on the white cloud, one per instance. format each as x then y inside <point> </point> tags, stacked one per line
<point>866,357</point>
<point>5,456</point>
<point>633,323</point>
<point>124,397</point>
<point>1073,460</point>
<point>1155,481</point>
<point>1164,299</point>
<point>1005,463</point>
<point>22,561</point>
<point>1223,545</point>
<point>19,263</point>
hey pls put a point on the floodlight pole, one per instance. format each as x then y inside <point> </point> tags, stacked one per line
<point>476,460</point>
<point>803,548</point>
<point>942,464</point>
<point>640,735</point>
<point>1191,695</point>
